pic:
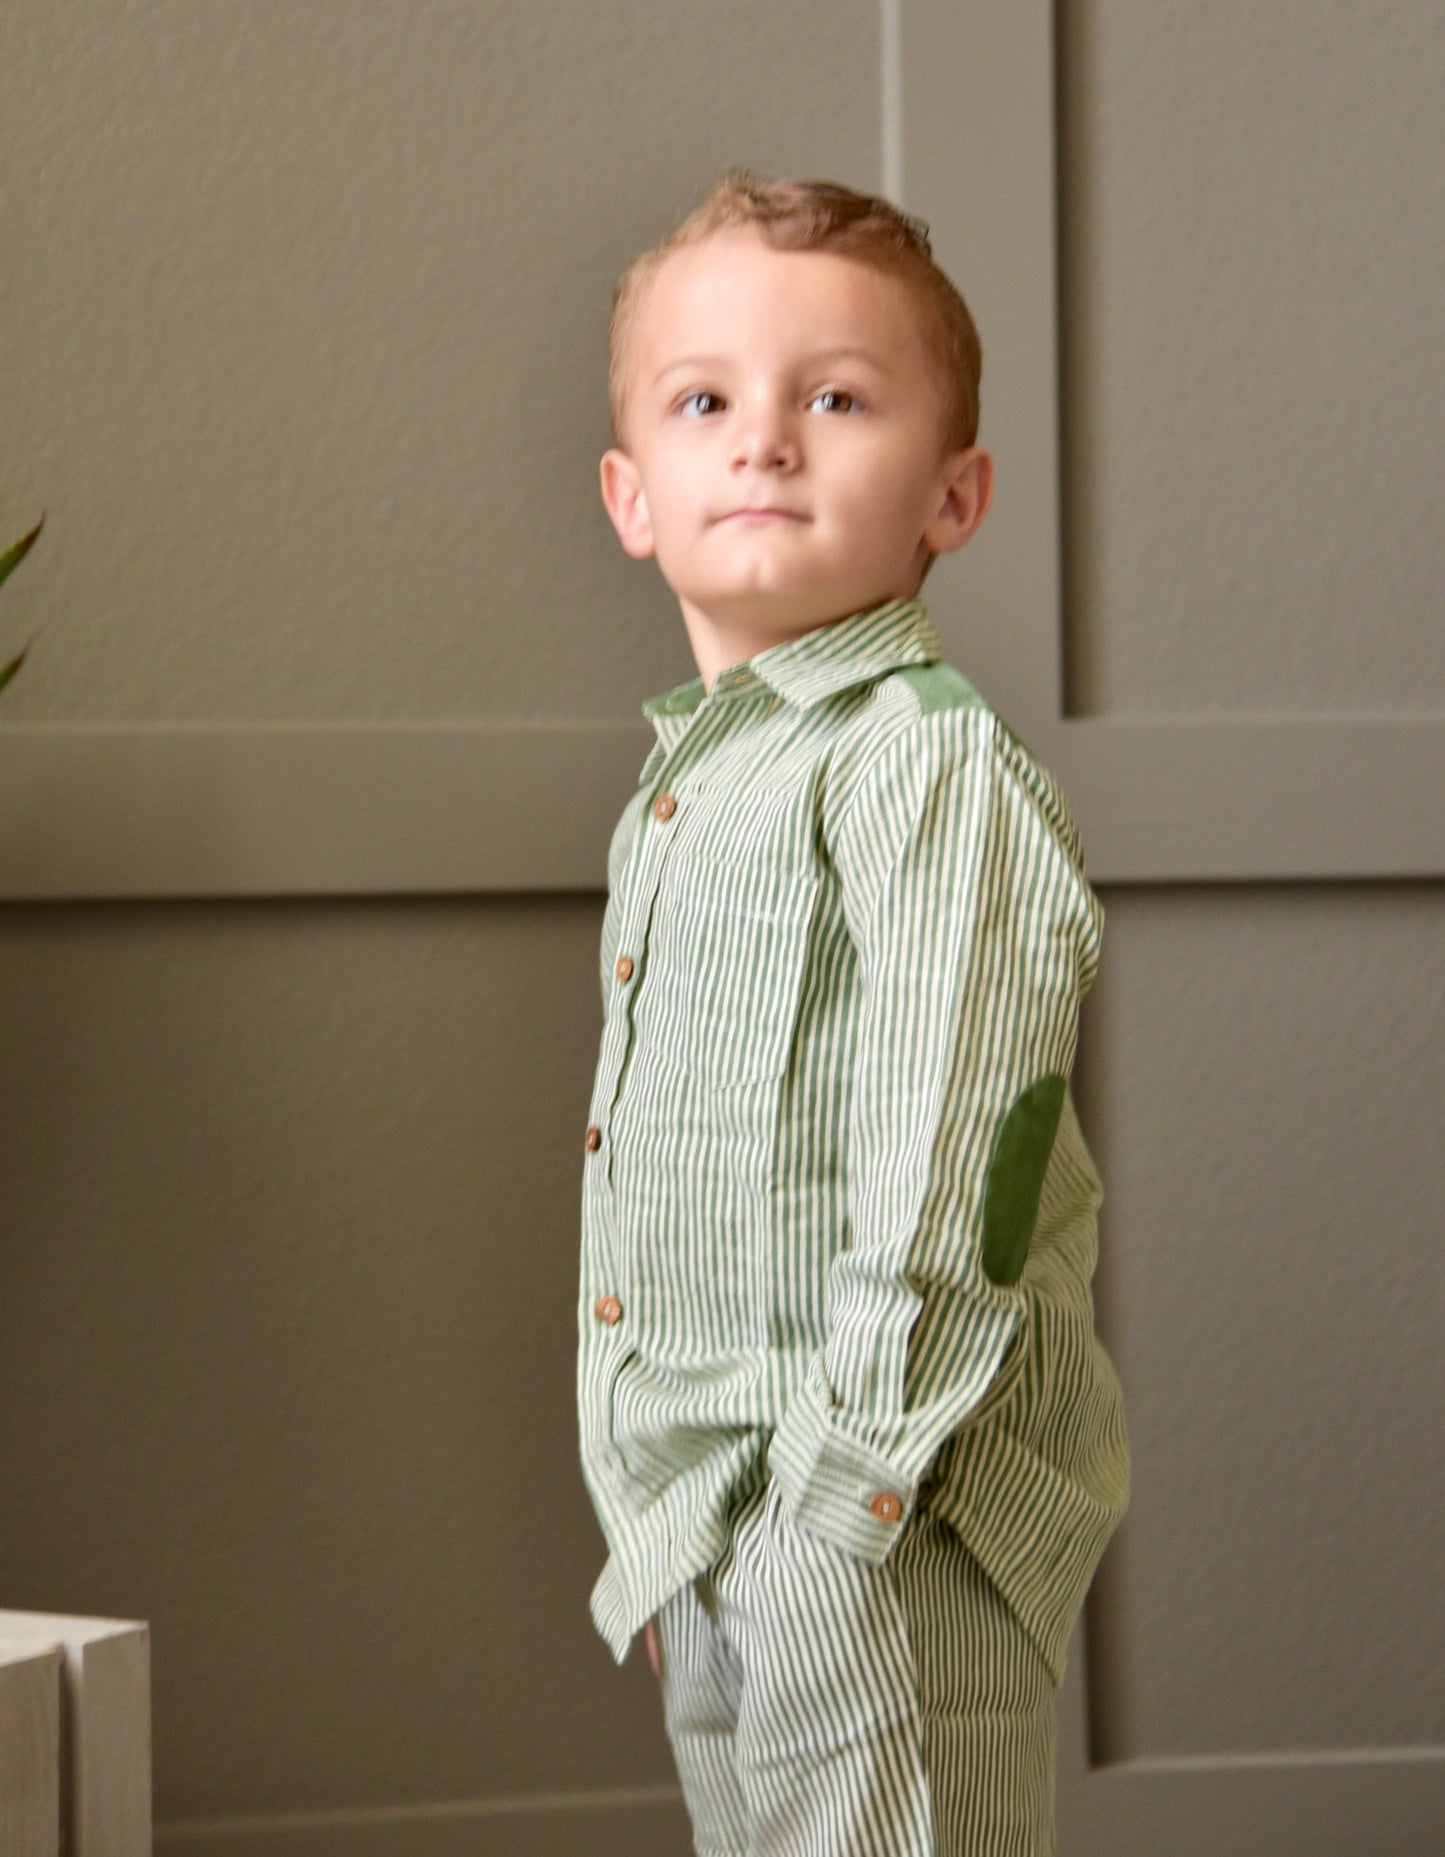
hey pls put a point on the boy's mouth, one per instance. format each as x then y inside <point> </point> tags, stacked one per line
<point>768,512</point>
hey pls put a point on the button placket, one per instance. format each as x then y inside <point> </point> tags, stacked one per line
<point>651,852</point>
<point>645,875</point>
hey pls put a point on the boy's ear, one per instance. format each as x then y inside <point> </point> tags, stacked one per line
<point>626,503</point>
<point>967,491</point>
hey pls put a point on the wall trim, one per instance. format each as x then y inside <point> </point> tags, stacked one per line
<point>290,810</point>
<point>617,1823</point>
<point>338,809</point>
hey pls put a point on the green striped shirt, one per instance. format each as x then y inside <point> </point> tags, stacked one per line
<point>839,1223</point>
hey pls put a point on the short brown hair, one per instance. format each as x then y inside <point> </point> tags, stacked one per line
<point>820,216</point>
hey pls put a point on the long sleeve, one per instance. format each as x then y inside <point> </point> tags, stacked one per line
<point>976,936</point>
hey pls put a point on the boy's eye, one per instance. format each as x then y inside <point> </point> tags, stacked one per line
<point>836,400</point>
<point>698,405</point>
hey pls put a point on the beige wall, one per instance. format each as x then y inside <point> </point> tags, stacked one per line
<point>300,348</point>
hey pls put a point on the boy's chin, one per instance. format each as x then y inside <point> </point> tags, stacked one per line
<point>775,603</point>
<point>783,618</point>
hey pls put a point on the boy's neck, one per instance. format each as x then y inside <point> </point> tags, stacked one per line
<point>718,647</point>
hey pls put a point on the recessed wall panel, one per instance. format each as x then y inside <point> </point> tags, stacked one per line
<point>1252,268</point>
<point>287,1340</point>
<point>302,329</point>
<point>1262,1079</point>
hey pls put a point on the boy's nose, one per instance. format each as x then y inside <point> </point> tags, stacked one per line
<point>765,442</point>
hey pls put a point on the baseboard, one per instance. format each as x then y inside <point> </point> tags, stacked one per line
<point>642,1822</point>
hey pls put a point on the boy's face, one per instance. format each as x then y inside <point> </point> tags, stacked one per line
<point>784,455</point>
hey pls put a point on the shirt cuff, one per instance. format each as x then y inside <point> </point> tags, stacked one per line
<point>832,1486</point>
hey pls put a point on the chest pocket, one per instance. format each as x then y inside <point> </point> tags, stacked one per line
<point>739,938</point>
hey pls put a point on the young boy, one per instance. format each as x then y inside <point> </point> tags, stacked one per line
<point>851,1438</point>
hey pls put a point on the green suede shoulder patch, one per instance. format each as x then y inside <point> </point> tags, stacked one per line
<point>940,686</point>
<point>1016,1169</point>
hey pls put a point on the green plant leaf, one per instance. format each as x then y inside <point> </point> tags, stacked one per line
<point>12,558</point>
<point>8,671</point>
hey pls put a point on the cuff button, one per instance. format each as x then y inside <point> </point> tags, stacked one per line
<point>886,1506</point>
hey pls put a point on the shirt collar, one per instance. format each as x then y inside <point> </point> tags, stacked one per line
<point>805,671</point>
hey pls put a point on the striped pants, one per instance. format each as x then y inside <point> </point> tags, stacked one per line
<point>819,1706</point>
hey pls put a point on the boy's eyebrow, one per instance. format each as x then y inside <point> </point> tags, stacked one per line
<point>873,360</point>
<point>701,362</point>
<point>823,358</point>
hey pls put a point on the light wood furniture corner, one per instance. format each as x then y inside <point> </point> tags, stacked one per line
<point>29,1747</point>
<point>98,1755</point>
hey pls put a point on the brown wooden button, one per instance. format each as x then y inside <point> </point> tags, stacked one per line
<point>607,1309</point>
<point>886,1506</point>
<point>594,1139</point>
<point>624,968</point>
<point>663,807</point>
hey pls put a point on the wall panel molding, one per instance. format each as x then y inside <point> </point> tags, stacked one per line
<point>623,1823</point>
<point>285,809</point>
<point>109,812</point>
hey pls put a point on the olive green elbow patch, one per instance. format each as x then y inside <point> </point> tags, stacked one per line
<point>1016,1169</point>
